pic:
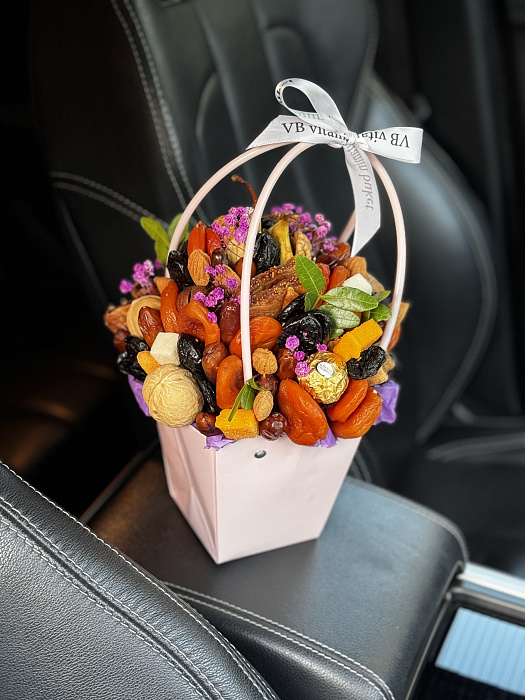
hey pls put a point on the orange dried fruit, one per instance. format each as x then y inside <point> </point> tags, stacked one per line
<point>193,320</point>
<point>168,307</point>
<point>305,420</point>
<point>243,425</point>
<point>264,331</point>
<point>354,393</point>
<point>230,380</point>
<point>362,419</point>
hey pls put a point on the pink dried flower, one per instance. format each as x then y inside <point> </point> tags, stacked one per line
<point>200,296</point>
<point>321,347</point>
<point>232,283</point>
<point>292,342</point>
<point>125,286</point>
<point>302,369</point>
<point>299,355</point>
<point>212,317</point>
<point>209,270</point>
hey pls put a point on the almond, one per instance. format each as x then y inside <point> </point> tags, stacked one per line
<point>197,261</point>
<point>263,404</point>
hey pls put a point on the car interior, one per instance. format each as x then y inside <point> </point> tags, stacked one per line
<point>113,110</point>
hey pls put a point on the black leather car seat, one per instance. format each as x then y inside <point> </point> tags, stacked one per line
<point>81,620</point>
<point>140,101</point>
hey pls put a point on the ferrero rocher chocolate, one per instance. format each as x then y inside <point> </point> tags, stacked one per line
<point>327,378</point>
<point>172,395</point>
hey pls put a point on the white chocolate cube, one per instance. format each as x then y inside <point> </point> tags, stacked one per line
<point>358,282</point>
<point>164,349</point>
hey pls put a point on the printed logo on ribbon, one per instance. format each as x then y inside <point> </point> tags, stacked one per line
<point>326,125</point>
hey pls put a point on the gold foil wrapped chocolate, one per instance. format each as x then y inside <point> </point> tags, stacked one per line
<point>327,378</point>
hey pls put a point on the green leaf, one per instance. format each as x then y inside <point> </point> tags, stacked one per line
<point>310,301</point>
<point>379,296</point>
<point>244,398</point>
<point>382,313</point>
<point>309,274</point>
<point>336,333</point>
<point>159,235</point>
<point>350,299</point>
<point>340,318</point>
<point>173,226</point>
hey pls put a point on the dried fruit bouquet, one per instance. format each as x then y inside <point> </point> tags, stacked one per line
<point>318,370</point>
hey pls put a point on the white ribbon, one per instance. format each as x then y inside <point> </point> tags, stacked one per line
<point>326,125</point>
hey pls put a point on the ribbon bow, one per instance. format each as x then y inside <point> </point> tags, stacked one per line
<point>326,125</point>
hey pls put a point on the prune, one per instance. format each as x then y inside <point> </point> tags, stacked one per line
<point>368,364</point>
<point>190,353</point>
<point>177,265</point>
<point>308,329</point>
<point>268,221</point>
<point>266,253</point>
<point>324,321</point>
<point>127,360</point>
<point>273,427</point>
<point>293,309</point>
<point>208,393</point>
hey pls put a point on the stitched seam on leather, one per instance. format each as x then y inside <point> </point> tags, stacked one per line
<point>164,110</point>
<point>107,593</point>
<point>223,609</point>
<point>472,447</point>
<point>107,190</point>
<point>145,86</point>
<point>487,285</point>
<point>283,627</point>
<point>105,609</point>
<point>432,516</point>
<point>98,197</point>
<point>257,681</point>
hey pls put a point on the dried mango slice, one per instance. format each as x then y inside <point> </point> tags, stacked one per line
<point>353,342</point>
<point>244,424</point>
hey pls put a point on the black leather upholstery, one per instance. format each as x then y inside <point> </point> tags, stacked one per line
<point>346,616</point>
<point>180,88</point>
<point>79,620</point>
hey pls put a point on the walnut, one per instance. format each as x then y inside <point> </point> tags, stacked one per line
<point>172,395</point>
<point>197,261</point>
<point>303,245</point>
<point>263,404</point>
<point>264,361</point>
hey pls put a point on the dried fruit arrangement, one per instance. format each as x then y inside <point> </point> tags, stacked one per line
<point>316,321</point>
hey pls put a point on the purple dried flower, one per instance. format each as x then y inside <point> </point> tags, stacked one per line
<point>200,296</point>
<point>218,293</point>
<point>321,347</point>
<point>292,342</point>
<point>319,218</point>
<point>232,283</point>
<point>158,264</point>
<point>305,219</point>
<point>212,317</point>
<point>209,270</point>
<point>299,355</point>
<point>288,207</point>
<point>220,270</point>
<point>148,268</point>
<point>302,369</point>
<point>126,286</point>
<point>230,219</point>
<point>209,301</point>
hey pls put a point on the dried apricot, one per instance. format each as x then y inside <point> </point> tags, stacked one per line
<point>193,320</point>
<point>305,421</point>
<point>354,393</point>
<point>168,307</point>
<point>362,419</point>
<point>338,276</point>
<point>197,238</point>
<point>264,331</point>
<point>230,380</point>
<point>213,241</point>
